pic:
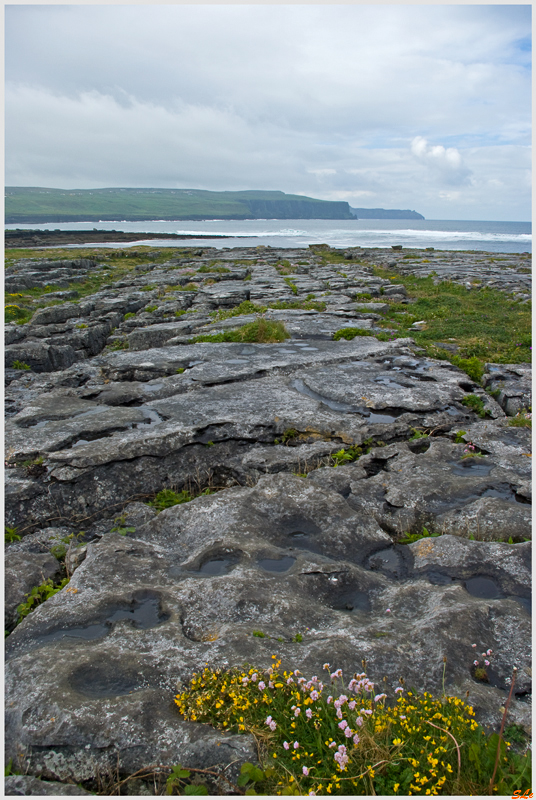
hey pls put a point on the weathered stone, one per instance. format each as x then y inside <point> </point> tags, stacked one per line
<point>27,786</point>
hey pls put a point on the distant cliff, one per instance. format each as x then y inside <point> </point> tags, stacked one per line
<point>25,205</point>
<point>384,213</point>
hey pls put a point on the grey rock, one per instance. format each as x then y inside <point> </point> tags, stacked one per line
<point>27,786</point>
<point>41,357</point>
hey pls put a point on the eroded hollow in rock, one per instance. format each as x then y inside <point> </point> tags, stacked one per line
<point>143,612</point>
<point>106,679</point>
<point>219,563</point>
<point>472,466</point>
<point>300,533</point>
<point>389,561</point>
<point>282,564</point>
<point>483,587</point>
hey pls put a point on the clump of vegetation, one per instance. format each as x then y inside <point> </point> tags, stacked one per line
<point>409,538</point>
<point>14,313</point>
<point>292,286</point>
<point>346,739</point>
<point>20,365</point>
<point>472,366</point>
<point>167,498</point>
<point>11,535</point>
<point>351,333</point>
<point>417,434</point>
<point>476,404</point>
<point>129,315</point>
<point>523,419</point>
<point>262,330</point>
<point>245,307</point>
<point>119,344</point>
<point>38,595</point>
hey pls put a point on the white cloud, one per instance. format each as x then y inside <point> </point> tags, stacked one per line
<point>446,161</point>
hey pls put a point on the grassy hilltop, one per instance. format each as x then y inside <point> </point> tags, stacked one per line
<point>38,205</point>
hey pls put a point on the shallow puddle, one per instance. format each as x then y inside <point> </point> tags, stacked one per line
<point>482,587</point>
<point>387,561</point>
<point>276,564</point>
<point>218,566</point>
<point>144,613</point>
<point>472,467</point>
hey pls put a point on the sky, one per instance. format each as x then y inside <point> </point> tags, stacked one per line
<point>422,107</point>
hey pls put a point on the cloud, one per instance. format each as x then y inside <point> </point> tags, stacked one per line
<point>445,161</point>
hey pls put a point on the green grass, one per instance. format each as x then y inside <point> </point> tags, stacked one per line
<point>523,419</point>
<point>486,324</point>
<point>407,743</point>
<point>245,307</point>
<point>476,404</point>
<point>262,330</point>
<point>168,498</point>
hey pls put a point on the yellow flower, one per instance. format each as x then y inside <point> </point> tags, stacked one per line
<point>395,787</point>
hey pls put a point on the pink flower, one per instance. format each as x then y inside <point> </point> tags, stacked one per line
<point>286,745</point>
<point>351,705</point>
<point>332,744</point>
<point>305,771</point>
<point>359,721</point>
<point>296,745</point>
<point>388,611</point>
<point>328,701</point>
<point>356,739</point>
<point>326,666</point>
<point>475,663</point>
<point>254,676</point>
<point>489,652</point>
<point>343,724</point>
<point>297,712</point>
<point>339,713</point>
<point>347,732</point>
<point>271,684</point>
<point>379,697</point>
<point>261,685</point>
<point>308,713</point>
<point>473,645</point>
<point>314,695</point>
<point>399,689</point>
<point>289,681</point>
<point>336,674</point>
<point>273,725</point>
<point>486,663</point>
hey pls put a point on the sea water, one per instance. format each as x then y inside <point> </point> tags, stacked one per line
<point>501,237</point>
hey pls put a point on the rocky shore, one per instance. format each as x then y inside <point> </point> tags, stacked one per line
<point>318,467</point>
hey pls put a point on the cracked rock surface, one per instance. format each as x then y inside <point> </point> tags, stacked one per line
<point>294,539</point>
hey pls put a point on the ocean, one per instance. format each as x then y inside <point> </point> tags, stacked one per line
<point>495,237</point>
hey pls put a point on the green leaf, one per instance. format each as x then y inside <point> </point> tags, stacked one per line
<point>197,789</point>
